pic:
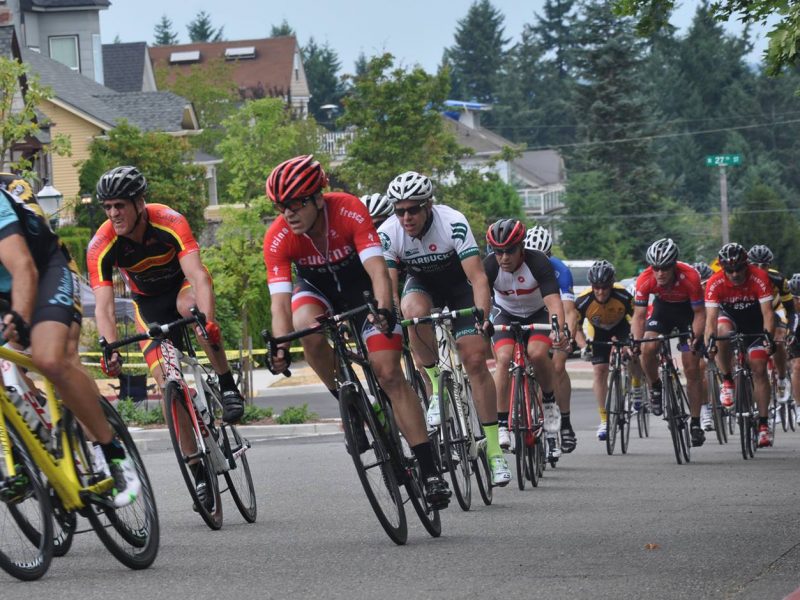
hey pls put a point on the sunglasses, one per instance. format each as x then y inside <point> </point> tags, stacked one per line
<point>510,250</point>
<point>662,268</point>
<point>738,269</point>
<point>107,206</point>
<point>601,288</point>
<point>414,210</point>
<point>294,204</point>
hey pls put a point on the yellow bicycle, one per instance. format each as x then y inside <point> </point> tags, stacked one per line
<point>49,475</point>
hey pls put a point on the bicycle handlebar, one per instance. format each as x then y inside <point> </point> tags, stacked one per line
<point>445,314</point>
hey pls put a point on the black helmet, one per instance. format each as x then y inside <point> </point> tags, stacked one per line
<point>121,183</point>
<point>794,285</point>
<point>732,256</point>
<point>505,233</point>
<point>662,253</point>
<point>601,273</point>
<point>760,255</point>
<point>705,271</point>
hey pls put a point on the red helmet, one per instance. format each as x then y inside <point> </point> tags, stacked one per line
<point>297,177</point>
<point>505,233</point>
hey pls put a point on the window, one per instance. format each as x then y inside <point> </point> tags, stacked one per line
<point>64,49</point>
<point>244,52</point>
<point>184,57</point>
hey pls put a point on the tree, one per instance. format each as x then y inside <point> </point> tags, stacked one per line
<point>322,65</point>
<point>259,136</point>
<point>281,30</point>
<point>18,115</point>
<point>396,117</point>
<point>477,58</point>
<point>201,30</point>
<point>164,34</point>
<point>162,158</point>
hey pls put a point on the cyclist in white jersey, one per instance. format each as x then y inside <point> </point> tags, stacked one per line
<point>436,247</point>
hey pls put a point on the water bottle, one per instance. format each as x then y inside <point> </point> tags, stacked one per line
<point>30,403</point>
<point>376,408</point>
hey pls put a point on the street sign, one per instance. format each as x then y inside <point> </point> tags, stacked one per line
<point>723,160</point>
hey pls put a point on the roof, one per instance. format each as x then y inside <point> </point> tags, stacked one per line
<point>149,111</point>
<point>480,140</point>
<point>36,5</point>
<point>123,66</point>
<point>543,166</point>
<point>271,69</point>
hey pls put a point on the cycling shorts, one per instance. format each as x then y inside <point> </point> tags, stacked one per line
<point>504,338</point>
<point>453,298</point>
<point>669,316</point>
<point>749,321</point>
<point>158,309</point>
<point>58,295</point>
<point>305,292</point>
<point>601,353</point>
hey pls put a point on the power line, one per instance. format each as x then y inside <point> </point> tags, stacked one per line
<point>712,213</point>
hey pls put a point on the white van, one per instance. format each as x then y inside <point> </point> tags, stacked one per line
<point>580,270</point>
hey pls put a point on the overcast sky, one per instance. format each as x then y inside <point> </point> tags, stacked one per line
<point>415,31</point>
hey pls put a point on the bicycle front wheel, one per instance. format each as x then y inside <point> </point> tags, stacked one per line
<point>743,406</point>
<point>613,402</point>
<point>130,533</point>
<point>238,477</point>
<point>456,457</point>
<point>373,464</point>
<point>26,526</point>
<point>518,424</point>
<point>717,413</point>
<point>671,416</point>
<point>626,414</point>
<point>483,476</point>
<point>685,438</point>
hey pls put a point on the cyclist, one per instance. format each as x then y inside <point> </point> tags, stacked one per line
<point>378,206</point>
<point>154,250</point>
<point>435,245</point>
<point>793,342</point>
<point>539,238</point>
<point>678,304</point>
<point>739,298</point>
<point>330,239</point>
<point>46,315</point>
<point>706,418</point>
<point>525,290</point>
<point>608,307</point>
<point>761,256</point>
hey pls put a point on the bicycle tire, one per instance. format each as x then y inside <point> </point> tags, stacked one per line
<point>643,416</point>
<point>429,517</point>
<point>627,415</point>
<point>238,476</point>
<point>670,406</point>
<point>179,408</point>
<point>717,413</point>
<point>518,425</point>
<point>455,444</point>
<point>743,407</point>
<point>483,476</point>
<point>791,414</point>
<point>373,466</point>
<point>532,448</point>
<point>612,414</point>
<point>772,410</point>
<point>685,437</point>
<point>783,412</point>
<point>26,547</point>
<point>64,525</point>
<point>136,525</point>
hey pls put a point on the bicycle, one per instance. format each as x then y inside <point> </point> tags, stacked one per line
<point>371,434</point>
<point>675,402</point>
<point>50,473</point>
<point>619,401</point>
<point>718,413</point>
<point>215,446</point>
<point>463,442</point>
<point>643,414</point>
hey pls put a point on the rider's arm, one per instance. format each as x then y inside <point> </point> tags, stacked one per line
<point>378,272</point>
<point>198,277</point>
<point>555,306</point>
<point>281,309</point>
<point>571,315</point>
<point>104,313</point>
<point>17,259</point>
<point>473,269</point>
<point>768,314</point>
<point>712,314</point>
<point>637,321</point>
<point>394,276</point>
<point>699,320</point>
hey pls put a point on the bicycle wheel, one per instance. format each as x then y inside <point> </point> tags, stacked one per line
<point>64,525</point>
<point>456,458</point>
<point>685,437</point>
<point>717,412</point>
<point>625,419</point>
<point>130,533</point>
<point>480,466</point>
<point>373,465</point>
<point>179,409</point>
<point>238,477</point>
<point>613,401</point>
<point>670,416</point>
<point>783,412</point>
<point>743,407</point>
<point>532,457</point>
<point>26,521</point>
<point>429,517</point>
<point>643,416</point>
<point>791,414</point>
<point>518,424</point>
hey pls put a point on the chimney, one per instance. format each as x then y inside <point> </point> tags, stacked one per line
<point>470,118</point>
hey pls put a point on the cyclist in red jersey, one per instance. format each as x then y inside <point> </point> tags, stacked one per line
<point>331,241</point>
<point>678,304</point>
<point>739,298</point>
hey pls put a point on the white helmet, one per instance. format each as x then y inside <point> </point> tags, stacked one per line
<point>410,186</point>
<point>662,253</point>
<point>539,238</point>
<point>377,204</point>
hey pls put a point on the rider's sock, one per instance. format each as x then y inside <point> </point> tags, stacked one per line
<point>334,393</point>
<point>565,422</point>
<point>656,385</point>
<point>433,375</point>
<point>635,382</point>
<point>226,382</point>
<point>763,421</point>
<point>492,440</point>
<point>695,422</point>
<point>727,377</point>
<point>603,413</point>
<point>502,419</point>
<point>113,450</point>
<point>548,397</point>
<point>424,455</point>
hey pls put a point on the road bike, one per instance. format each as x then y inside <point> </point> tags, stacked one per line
<point>381,458</point>
<point>463,442</point>
<point>719,415</point>
<point>50,473</point>
<point>619,400</point>
<point>206,447</point>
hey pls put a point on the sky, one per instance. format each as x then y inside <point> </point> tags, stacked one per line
<point>414,31</point>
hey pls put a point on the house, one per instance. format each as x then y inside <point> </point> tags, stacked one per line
<point>269,67</point>
<point>127,67</point>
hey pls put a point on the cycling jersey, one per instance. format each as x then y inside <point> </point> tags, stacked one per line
<point>606,315</point>
<point>434,258</point>
<point>522,292</point>
<point>780,290</point>
<point>564,276</point>
<point>149,268</point>
<point>722,293</point>
<point>685,286</point>
<point>352,240</point>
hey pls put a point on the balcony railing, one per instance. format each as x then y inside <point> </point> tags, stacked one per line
<point>538,202</point>
<point>334,143</point>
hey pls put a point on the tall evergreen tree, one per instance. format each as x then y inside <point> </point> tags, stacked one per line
<point>478,56</point>
<point>281,30</point>
<point>201,30</point>
<point>164,34</point>
<point>322,66</point>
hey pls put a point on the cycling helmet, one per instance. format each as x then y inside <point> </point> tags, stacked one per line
<point>410,186</point>
<point>121,183</point>
<point>760,255</point>
<point>505,233</point>
<point>705,271</point>
<point>539,238</point>
<point>794,285</point>
<point>298,177</point>
<point>601,273</point>
<point>662,253</point>
<point>377,204</point>
<point>17,186</point>
<point>732,256</point>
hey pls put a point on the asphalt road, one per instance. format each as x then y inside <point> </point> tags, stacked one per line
<point>599,526</point>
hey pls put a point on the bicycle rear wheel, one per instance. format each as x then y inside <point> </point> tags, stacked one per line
<point>179,409</point>
<point>130,533</point>
<point>455,442</point>
<point>671,417</point>
<point>238,477</point>
<point>643,416</point>
<point>791,414</point>
<point>428,516</point>
<point>717,412</point>
<point>26,526</point>
<point>483,477</point>
<point>625,420</point>
<point>373,465</point>
<point>64,525</point>
<point>613,401</point>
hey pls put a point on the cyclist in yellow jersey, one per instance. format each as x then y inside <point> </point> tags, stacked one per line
<point>761,256</point>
